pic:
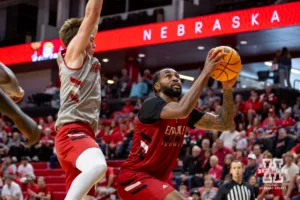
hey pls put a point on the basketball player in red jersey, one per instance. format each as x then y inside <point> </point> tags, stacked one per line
<point>160,129</point>
<point>11,88</point>
<point>78,116</point>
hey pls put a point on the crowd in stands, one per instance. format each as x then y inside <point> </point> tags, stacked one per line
<point>18,183</point>
<point>121,87</point>
<point>266,126</point>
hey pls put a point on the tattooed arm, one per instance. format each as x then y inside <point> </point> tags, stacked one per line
<point>222,121</point>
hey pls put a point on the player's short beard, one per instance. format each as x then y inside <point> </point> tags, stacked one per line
<point>171,92</point>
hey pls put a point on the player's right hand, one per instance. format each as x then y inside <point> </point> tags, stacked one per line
<point>212,60</point>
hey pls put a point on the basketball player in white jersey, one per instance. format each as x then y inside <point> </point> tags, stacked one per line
<point>79,72</point>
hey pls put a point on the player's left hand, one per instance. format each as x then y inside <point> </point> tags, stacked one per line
<point>229,84</point>
<point>17,96</point>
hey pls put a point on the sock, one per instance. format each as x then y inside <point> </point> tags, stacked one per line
<point>93,167</point>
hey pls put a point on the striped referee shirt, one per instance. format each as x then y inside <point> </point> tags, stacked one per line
<point>234,191</point>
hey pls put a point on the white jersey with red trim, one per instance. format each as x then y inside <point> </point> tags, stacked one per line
<point>80,92</point>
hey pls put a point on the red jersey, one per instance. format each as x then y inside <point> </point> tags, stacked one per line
<point>127,109</point>
<point>288,122</point>
<point>47,140</point>
<point>240,107</point>
<point>157,142</point>
<point>252,105</point>
<point>265,122</point>
<point>216,172</point>
<point>107,138</point>
<point>270,98</point>
<point>116,137</point>
<point>221,154</point>
<point>34,188</point>
<point>44,192</point>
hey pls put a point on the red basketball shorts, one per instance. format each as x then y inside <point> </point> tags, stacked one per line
<point>71,140</point>
<point>132,185</point>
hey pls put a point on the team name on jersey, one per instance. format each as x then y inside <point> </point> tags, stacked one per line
<point>173,136</point>
<point>175,130</point>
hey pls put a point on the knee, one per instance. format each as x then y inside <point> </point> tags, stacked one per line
<point>99,169</point>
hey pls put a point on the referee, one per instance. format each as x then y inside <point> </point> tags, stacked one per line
<point>236,189</point>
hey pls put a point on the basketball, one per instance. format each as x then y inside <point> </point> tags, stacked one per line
<point>228,71</point>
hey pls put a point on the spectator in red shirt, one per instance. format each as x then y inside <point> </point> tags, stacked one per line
<point>51,124</point>
<point>254,126</point>
<point>271,114</point>
<point>271,128</point>
<point>221,151</point>
<point>270,192</point>
<point>45,147</point>
<point>205,146</point>
<point>113,126</point>
<point>206,162</point>
<point>47,139</point>
<point>107,185</point>
<point>117,136</point>
<point>6,128</point>
<point>252,106</point>
<point>239,103</point>
<point>215,170</point>
<point>287,120</point>
<point>116,140</point>
<point>32,188</point>
<point>239,155</point>
<point>42,124</point>
<point>251,140</point>
<point>128,108</point>
<point>268,97</point>
<point>101,131</point>
<point>106,139</point>
<point>124,148</point>
<point>44,192</point>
